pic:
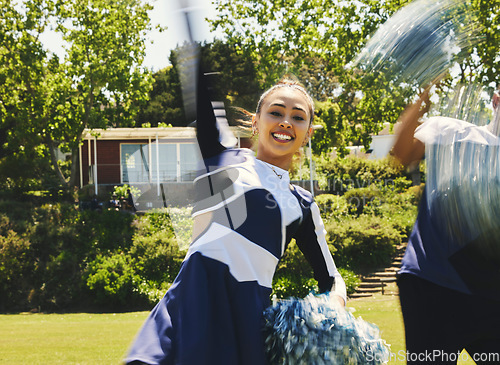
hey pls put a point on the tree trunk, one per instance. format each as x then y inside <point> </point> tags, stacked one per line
<point>75,164</point>
<point>55,165</point>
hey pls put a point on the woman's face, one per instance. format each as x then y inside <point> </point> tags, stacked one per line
<point>283,124</point>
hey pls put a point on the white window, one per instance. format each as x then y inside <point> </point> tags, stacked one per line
<point>176,162</point>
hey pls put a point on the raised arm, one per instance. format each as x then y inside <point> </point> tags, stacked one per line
<point>408,149</point>
<point>207,112</point>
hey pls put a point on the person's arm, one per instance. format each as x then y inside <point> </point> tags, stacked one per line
<point>408,149</point>
<point>207,133</point>
<point>311,240</point>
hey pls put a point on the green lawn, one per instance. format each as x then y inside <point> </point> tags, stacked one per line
<point>67,338</point>
<point>104,338</point>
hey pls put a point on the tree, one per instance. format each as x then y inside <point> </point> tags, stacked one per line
<point>94,85</point>
<point>24,88</point>
<point>237,84</point>
<point>107,42</point>
<point>323,37</point>
<point>316,40</point>
<point>165,101</point>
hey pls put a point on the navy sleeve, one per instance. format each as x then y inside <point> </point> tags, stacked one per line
<point>207,131</point>
<point>308,242</point>
<point>311,240</point>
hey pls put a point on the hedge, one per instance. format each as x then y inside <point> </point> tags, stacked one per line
<point>55,257</point>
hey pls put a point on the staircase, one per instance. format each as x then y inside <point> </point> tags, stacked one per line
<point>377,281</point>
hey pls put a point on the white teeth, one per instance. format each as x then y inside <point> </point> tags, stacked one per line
<point>282,136</point>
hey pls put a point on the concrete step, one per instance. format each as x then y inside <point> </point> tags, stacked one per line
<point>377,281</point>
<point>369,290</point>
<point>383,274</point>
<point>394,269</point>
<point>373,284</point>
<point>360,295</point>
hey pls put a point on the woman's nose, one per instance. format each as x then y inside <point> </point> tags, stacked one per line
<point>285,123</point>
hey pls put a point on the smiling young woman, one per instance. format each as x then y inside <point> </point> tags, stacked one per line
<point>245,215</point>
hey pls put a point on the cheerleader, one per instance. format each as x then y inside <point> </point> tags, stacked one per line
<point>245,215</point>
<point>449,281</point>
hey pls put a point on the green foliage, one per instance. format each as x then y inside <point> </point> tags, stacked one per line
<point>332,207</point>
<point>111,279</point>
<point>165,101</point>
<point>182,224</point>
<point>351,279</point>
<point>138,276</point>
<point>48,101</point>
<point>348,173</point>
<point>56,257</point>
<point>56,241</point>
<point>157,257</point>
<point>121,191</point>
<point>294,276</point>
<point>362,199</point>
<point>364,243</point>
<point>16,264</point>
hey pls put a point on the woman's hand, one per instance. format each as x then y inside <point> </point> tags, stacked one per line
<point>339,299</point>
<point>408,149</point>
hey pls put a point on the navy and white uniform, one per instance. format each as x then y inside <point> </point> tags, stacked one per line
<point>454,242</point>
<point>212,314</point>
<point>449,283</point>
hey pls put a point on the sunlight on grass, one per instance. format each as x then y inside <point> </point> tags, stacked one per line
<point>102,339</point>
<point>84,338</point>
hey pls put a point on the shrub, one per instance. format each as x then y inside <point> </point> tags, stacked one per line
<point>364,243</point>
<point>16,268</point>
<point>332,206</point>
<point>156,258</point>
<point>414,194</point>
<point>121,191</point>
<point>294,276</point>
<point>182,225</point>
<point>351,279</point>
<point>354,172</point>
<point>155,220</point>
<point>112,280</point>
<point>362,198</point>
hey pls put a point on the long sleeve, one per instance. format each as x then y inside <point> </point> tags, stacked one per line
<point>212,130</point>
<point>311,240</point>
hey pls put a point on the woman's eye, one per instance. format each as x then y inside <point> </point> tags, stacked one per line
<point>298,117</point>
<point>276,114</point>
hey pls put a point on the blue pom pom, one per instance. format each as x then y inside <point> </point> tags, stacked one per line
<point>318,330</point>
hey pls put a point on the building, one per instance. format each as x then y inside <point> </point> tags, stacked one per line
<point>160,162</point>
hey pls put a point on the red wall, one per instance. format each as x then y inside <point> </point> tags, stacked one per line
<point>108,160</point>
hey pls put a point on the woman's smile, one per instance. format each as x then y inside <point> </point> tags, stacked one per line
<point>282,137</point>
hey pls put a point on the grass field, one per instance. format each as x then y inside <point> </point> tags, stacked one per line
<point>97,339</point>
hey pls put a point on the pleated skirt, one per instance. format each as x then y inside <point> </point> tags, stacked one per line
<point>207,317</point>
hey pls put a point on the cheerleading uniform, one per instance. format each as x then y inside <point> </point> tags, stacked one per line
<point>452,262</point>
<point>213,312</point>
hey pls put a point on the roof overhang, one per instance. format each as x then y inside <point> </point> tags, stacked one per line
<point>177,133</point>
